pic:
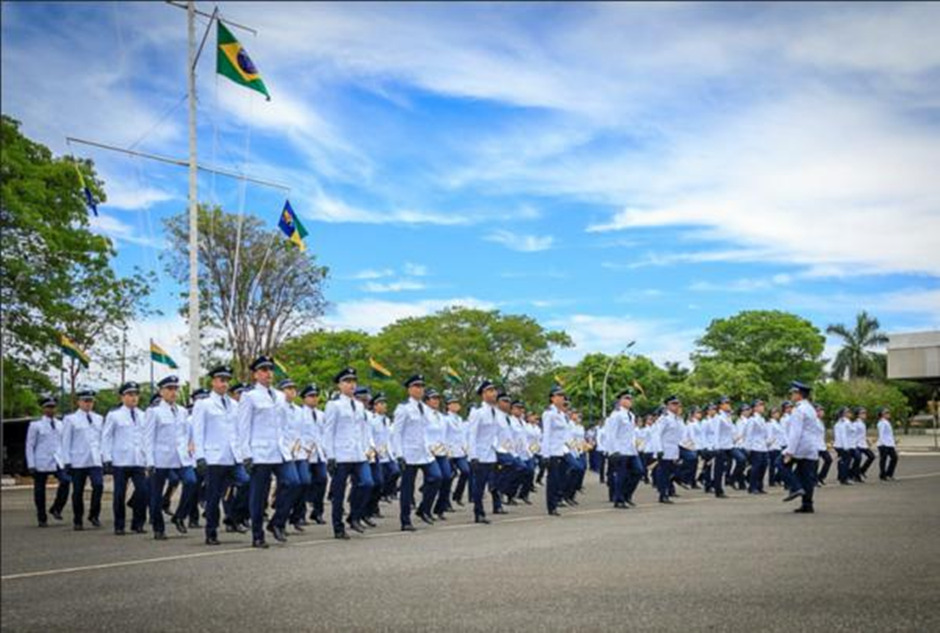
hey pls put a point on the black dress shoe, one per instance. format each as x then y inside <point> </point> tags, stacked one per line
<point>342,536</point>
<point>259,543</point>
<point>278,533</point>
<point>119,532</point>
<point>426,518</point>
<point>95,522</point>
<point>500,511</point>
<point>721,495</point>
<point>212,540</point>
<point>630,503</point>
<point>159,536</point>
<point>620,504</point>
<point>804,511</point>
<point>482,520</point>
<point>554,513</point>
<point>235,528</point>
<point>78,528</point>
<point>408,528</point>
<point>441,517</point>
<point>180,526</point>
<point>793,495</point>
<point>378,515</point>
<point>511,502</point>
<point>56,514</point>
<point>319,520</point>
<point>297,526</point>
<point>526,501</point>
<point>666,500</point>
<point>301,522</point>
<point>139,530</point>
<point>355,527</point>
<point>369,522</point>
<point>194,524</point>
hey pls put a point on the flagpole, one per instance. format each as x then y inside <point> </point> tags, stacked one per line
<point>151,366</point>
<point>194,341</point>
<point>62,382</point>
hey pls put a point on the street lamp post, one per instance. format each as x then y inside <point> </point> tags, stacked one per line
<point>610,366</point>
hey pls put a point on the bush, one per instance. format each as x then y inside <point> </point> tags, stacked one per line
<point>862,392</point>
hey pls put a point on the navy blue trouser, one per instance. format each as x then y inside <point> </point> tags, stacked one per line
<point>187,475</point>
<point>219,478</point>
<point>316,493</point>
<point>773,477</point>
<point>79,475</point>
<point>667,468</point>
<point>758,468</point>
<point>719,464</point>
<point>432,480</point>
<point>554,489</point>
<point>361,477</point>
<point>462,466</point>
<point>39,492</point>
<point>739,458</point>
<point>688,464</point>
<point>481,477</point>
<point>378,485</point>
<point>887,461</point>
<point>855,464</point>
<point>139,500</point>
<point>287,483</point>
<point>805,475</point>
<point>304,482</point>
<point>447,477</point>
<point>869,458</point>
<point>574,471</point>
<point>391,473</point>
<point>826,465</point>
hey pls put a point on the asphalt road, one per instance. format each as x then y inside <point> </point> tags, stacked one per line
<point>869,560</point>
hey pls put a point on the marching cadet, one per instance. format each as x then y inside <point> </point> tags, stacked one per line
<point>572,457</point>
<point>508,468</point>
<point>887,447</point>
<point>262,446</point>
<point>688,449</point>
<point>345,443</point>
<point>840,441</point>
<point>409,437</point>
<point>802,446</point>
<point>707,446</point>
<point>457,446</point>
<point>167,437</point>
<point>724,442</point>
<point>436,436</point>
<point>644,445</point>
<point>43,458</point>
<point>314,421</point>
<point>481,443</point>
<point>292,417</point>
<point>372,459</point>
<point>670,434</point>
<point>523,452</point>
<point>620,441</point>
<point>123,450</point>
<point>81,452</point>
<point>385,470</point>
<point>554,447</point>
<point>775,432</point>
<point>824,455</point>
<point>238,507</point>
<point>215,442</point>
<point>533,431</point>
<point>861,436</point>
<point>738,453</point>
<point>756,441</point>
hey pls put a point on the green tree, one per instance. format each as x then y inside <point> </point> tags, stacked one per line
<point>278,290</point>
<point>855,359</point>
<point>57,275</point>
<point>317,356</point>
<point>713,378</point>
<point>785,346</point>
<point>863,392</point>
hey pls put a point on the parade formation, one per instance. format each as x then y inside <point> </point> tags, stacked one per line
<point>223,452</point>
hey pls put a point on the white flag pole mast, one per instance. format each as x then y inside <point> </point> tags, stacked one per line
<point>195,341</point>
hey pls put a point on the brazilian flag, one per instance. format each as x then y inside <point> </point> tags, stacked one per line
<point>378,370</point>
<point>451,375</point>
<point>70,349</point>
<point>232,61</point>
<point>280,371</point>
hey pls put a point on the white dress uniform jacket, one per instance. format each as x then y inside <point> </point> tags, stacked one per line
<point>381,436</point>
<point>260,426</point>
<point>43,445</point>
<point>620,432</point>
<point>215,433</point>
<point>707,432</point>
<point>860,434</point>
<point>456,439</point>
<point>670,434</point>
<point>724,432</point>
<point>410,432</point>
<point>520,440</point>
<point>81,439</point>
<point>756,434</point>
<point>436,432</point>
<point>346,438</point>
<point>122,438</point>
<point>167,435</point>
<point>554,432</point>
<point>805,433</point>
<point>885,433</point>
<point>534,438</point>
<point>504,436</point>
<point>774,435</point>
<point>292,419</point>
<point>483,434</point>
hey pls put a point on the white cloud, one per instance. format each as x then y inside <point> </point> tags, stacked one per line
<point>134,199</point>
<point>371,315</point>
<point>521,242</point>
<point>393,286</point>
<point>373,274</point>
<point>111,227</point>
<point>660,340</point>
<point>415,270</point>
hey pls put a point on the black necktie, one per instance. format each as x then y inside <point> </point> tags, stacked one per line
<point>224,402</point>
<point>352,403</point>
<point>133,415</point>
<point>88,415</point>
<point>173,409</point>
<point>271,393</point>
<point>52,420</point>
<point>421,408</point>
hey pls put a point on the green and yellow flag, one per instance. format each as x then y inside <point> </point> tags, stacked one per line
<point>70,349</point>
<point>159,355</point>
<point>451,375</point>
<point>638,386</point>
<point>379,371</point>
<point>559,380</point>
<point>232,61</point>
<point>280,371</point>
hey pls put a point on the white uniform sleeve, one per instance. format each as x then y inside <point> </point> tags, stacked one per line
<point>199,429</point>
<point>150,432</point>
<point>243,426</point>
<point>474,430</point>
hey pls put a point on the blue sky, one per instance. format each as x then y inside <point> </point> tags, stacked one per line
<point>619,171</point>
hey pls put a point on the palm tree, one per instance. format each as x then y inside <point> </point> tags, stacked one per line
<point>855,359</point>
